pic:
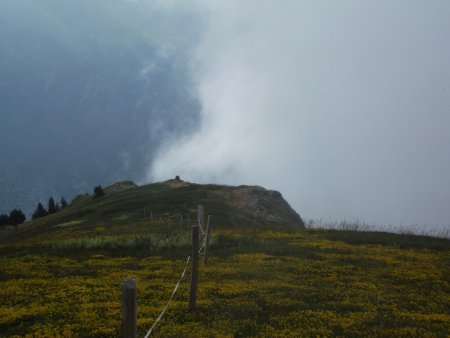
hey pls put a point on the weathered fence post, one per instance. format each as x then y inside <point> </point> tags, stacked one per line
<point>194,275</point>
<point>201,216</point>
<point>129,312</point>
<point>208,236</point>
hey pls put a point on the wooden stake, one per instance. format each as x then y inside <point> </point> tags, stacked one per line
<point>208,236</point>
<point>194,275</point>
<point>201,216</point>
<point>129,313</point>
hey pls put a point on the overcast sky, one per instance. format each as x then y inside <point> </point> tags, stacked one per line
<point>343,106</point>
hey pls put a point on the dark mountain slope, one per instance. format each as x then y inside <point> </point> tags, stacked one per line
<point>88,92</point>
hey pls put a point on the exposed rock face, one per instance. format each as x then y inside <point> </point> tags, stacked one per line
<point>268,207</point>
<point>177,183</point>
<point>120,186</point>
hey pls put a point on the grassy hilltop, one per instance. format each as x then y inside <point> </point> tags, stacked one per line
<point>268,276</point>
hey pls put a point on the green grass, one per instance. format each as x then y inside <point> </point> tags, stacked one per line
<point>258,283</point>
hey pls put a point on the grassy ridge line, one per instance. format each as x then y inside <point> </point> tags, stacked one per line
<point>123,213</point>
<point>113,212</point>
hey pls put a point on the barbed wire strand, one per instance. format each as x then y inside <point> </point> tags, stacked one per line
<point>201,229</point>
<point>203,244</point>
<point>171,297</point>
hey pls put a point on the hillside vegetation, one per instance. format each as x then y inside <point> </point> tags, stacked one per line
<point>267,276</point>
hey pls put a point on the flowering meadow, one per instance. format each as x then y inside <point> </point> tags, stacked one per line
<point>258,283</point>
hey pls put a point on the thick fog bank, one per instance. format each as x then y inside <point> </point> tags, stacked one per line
<point>342,106</point>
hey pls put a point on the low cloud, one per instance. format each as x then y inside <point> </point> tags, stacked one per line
<point>343,107</point>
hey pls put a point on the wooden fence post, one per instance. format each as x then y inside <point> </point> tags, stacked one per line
<point>208,236</point>
<point>129,312</point>
<point>201,216</point>
<point>151,216</point>
<point>194,275</point>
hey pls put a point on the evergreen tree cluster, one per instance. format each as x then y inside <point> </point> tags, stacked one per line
<point>52,208</point>
<point>17,217</point>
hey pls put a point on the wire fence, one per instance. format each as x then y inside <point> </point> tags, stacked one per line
<point>201,229</point>
<point>202,248</point>
<point>149,332</point>
<point>170,299</point>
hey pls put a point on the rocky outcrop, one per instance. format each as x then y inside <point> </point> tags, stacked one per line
<point>267,207</point>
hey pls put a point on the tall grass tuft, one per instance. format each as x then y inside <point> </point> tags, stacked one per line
<point>145,244</point>
<point>356,225</point>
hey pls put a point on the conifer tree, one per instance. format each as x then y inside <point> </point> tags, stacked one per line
<point>51,206</point>
<point>39,212</point>
<point>63,203</point>
<point>98,191</point>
